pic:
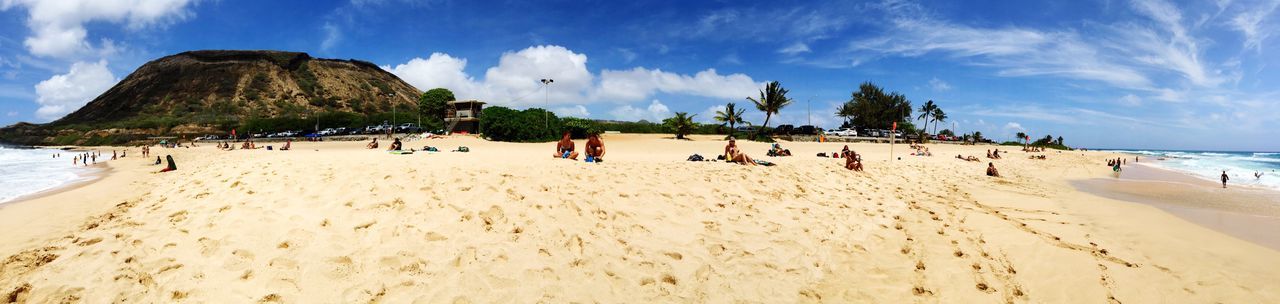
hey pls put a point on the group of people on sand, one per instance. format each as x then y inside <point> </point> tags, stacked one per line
<point>993,154</point>
<point>1033,149</point>
<point>565,148</point>
<point>85,158</point>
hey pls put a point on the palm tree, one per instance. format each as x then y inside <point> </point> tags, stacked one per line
<point>1021,136</point>
<point>731,115</point>
<point>938,116</point>
<point>847,111</point>
<point>926,111</point>
<point>772,99</point>
<point>681,124</point>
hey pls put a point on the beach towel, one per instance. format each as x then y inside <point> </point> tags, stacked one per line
<point>400,152</point>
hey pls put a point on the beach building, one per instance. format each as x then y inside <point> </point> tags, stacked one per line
<point>463,116</point>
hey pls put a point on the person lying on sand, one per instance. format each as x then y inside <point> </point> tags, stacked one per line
<point>564,148</point>
<point>991,170</point>
<point>777,150</point>
<point>373,144</point>
<point>595,148</point>
<point>395,145</point>
<point>853,161</point>
<point>733,154</point>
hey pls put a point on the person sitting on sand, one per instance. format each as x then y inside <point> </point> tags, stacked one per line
<point>373,144</point>
<point>853,161</point>
<point>733,154</point>
<point>395,145</point>
<point>843,151</point>
<point>170,167</point>
<point>287,144</point>
<point>564,148</point>
<point>995,154</point>
<point>595,148</point>
<point>989,154</point>
<point>991,170</point>
<point>157,160</point>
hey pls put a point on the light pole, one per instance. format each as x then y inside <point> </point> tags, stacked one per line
<point>546,101</point>
<point>391,98</point>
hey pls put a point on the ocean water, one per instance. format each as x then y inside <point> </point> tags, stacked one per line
<point>27,171</point>
<point>1240,166</point>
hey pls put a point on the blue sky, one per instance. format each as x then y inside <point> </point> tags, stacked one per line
<point>1116,74</point>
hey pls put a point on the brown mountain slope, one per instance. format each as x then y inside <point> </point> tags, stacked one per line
<point>207,90</point>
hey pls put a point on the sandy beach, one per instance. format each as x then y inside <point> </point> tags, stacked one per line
<point>333,222</point>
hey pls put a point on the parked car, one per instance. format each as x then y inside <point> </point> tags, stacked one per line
<point>843,132</point>
<point>784,130</point>
<point>747,129</point>
<point>805,130</point>
<point>408,128</point>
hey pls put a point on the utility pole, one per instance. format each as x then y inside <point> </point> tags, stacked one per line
<point>546,101</point>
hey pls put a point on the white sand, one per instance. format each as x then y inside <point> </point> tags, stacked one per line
<point>335,223</point>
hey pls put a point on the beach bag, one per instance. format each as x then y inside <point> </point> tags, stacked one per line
<point>695,157</point>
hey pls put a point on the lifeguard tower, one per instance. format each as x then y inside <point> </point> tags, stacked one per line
<point>463,116</point>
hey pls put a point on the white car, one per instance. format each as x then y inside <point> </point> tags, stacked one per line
<point>843,132</point>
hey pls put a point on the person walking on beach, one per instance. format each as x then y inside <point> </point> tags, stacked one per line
<point>1224,179</point>
<point>1257,175</point>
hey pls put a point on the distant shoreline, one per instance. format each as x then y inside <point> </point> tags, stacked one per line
<point>1250,213</point>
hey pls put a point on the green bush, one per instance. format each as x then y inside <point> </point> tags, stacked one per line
<point>579,128</point>
<point>504,124</point>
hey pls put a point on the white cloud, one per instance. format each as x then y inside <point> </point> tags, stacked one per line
<point>12,113</point>
<point>58,26</point>
<point>1137,55</point>
<point>438,71</point>
<point>571,111</point>
<point>655,112</point>
<point>639,83</point>
<point>64,93</point>
<point>332,35</point>
<point>795,48</point>
<point>1250,25</point>
<point>515,81</point>
<point>1130,100</point>
<point>938,85</point>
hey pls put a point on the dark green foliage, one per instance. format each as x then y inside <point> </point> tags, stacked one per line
<point>579,128</point>
<point>307,81</point>
<point>257,85</point>
<point>873,108</point>
<point>433,105</point>
<point>504,124</point>
<point>682,124</point>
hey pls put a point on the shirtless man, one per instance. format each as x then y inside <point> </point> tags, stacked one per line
<point>395,145</point>
<point>991,170</point>
<point>733,154</point>
<point>1224,179</point>
<point>595,148</point>
<point>373,144</point>
<point>564,148</point>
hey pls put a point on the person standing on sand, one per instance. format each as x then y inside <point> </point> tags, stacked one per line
<point>1224,179</point>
